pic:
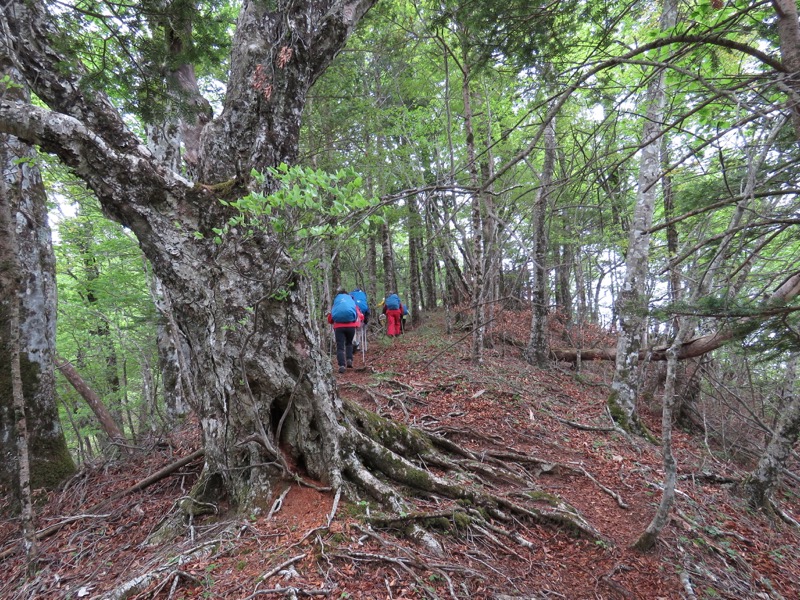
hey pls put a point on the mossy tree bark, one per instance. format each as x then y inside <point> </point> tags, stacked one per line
<point>10,283</point>
<point>254,369</point>
<point>765,477</point>
<point>24,198</point>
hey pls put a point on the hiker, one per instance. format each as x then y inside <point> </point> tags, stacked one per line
<point>346,318</point>
<point>394,310</point>
<point>360,296</point>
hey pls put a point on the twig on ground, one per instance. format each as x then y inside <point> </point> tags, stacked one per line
<point>784,516</point>
<point>608,491</point>
<point>282,566</point>
<point>583,427</point>
<point>290,592</point>
<point>141,582</point>
<point>687,584</point>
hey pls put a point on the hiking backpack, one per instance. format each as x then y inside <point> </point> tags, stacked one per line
<point>393,302</point>
<point>361,299</point>
<point>344,309</point>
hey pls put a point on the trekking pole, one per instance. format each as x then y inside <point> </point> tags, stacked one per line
<point>364,344</point>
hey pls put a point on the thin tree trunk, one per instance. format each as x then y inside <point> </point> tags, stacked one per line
<point>632,301</point>
<point>414,246</point>
<point>672,230</point>
<point>104,416</point>
<point>456,287</point>
<point>389,279</point>
<point>537,351</point>
<point>372,268</point>
<point>648,538</point>
<point>563,278</point>
<point>491,228</point>
<point>429,260</point>
<point>477,263</point>
<point>581,289</point>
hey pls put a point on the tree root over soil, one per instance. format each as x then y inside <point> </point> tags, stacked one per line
<point>92,511</point>
<point>482,495</point>
<point>388,448</point>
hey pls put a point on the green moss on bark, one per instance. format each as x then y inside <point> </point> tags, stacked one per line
<point>398,437</point>
<point>631,424</point>
<point>50,460</point>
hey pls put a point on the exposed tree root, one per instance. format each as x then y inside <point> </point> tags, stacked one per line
<point>91,511</point>
<point>733,561</point>
<point>783,515</point>
<point>165,571</point>
<point>404,456</point>
<point>583,427</point>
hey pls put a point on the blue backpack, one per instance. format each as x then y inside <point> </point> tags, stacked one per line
<point>361,299</point>
<point>344,309</point>
<point>393,302</point>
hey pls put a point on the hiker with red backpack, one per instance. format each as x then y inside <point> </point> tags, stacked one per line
<point>394,311</point>
<point>346,318</point>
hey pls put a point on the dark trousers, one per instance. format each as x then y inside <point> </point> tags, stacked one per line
<point>344,345</point>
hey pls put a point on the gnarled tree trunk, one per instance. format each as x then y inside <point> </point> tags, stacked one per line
<point>255,372</point>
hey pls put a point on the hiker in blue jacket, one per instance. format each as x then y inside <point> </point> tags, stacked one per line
<point>346,318</point>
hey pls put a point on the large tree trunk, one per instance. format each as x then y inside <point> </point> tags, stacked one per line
<point>172,382</point>
<point>24,197</point>
<point>258,380</point>
<point>10,283</point>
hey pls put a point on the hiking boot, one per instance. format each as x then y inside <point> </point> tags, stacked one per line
<point>349,364</point>
<point>341,369</point>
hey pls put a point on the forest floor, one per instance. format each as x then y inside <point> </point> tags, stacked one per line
<point>712,547</point>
